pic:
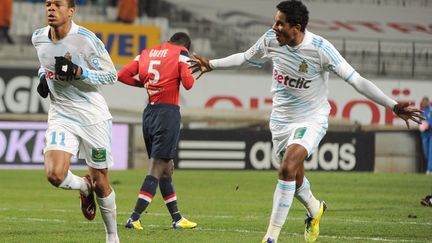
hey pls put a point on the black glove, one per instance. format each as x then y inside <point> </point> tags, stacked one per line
<point>43,88</point>
<point>65,69</point>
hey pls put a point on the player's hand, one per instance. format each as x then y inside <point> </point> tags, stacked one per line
<point>43,88</point>
<point>66,69</point>
<point>407,113</point>
<point>199,64</point>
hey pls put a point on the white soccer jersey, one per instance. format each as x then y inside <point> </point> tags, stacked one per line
<point>300,75</point>
<point>77,101</point>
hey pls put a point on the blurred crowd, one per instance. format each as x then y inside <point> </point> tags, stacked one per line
<point>127,12</point>
<point>6,10</point>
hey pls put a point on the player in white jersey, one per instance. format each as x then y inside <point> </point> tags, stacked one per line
<point>74,64</point>
<point>299,119</point>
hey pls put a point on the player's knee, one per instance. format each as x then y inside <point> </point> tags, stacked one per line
<point>288,170</point>
<point>102,186</point>
<point>169,170</point>
<point>55,178</point>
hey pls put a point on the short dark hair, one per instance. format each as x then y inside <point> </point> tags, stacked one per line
<point>181,38</point>
<point>295,12</point>
<point>71,3</point>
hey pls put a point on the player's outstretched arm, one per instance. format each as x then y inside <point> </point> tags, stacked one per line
<point>199,64</point>
<point>407,113</point>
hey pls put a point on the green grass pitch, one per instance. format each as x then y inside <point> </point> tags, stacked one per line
<point>229,206</point>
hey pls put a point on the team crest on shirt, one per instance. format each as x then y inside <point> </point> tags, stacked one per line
<point>99,154</point>
<point>303,67</point>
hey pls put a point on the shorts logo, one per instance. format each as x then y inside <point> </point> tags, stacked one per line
<point>99,154</point>
<point>299,132</point>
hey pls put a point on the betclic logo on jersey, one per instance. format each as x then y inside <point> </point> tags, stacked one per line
<point>299,83</point>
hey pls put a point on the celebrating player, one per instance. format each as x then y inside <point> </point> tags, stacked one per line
<point>74,63</point>
<point>160,71</point>
<point>299,119</point>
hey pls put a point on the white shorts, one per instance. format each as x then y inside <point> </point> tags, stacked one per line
<point>306,134</point>
<point>92,143</point>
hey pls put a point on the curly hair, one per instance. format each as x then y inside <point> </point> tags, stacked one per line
<point>295,12</point>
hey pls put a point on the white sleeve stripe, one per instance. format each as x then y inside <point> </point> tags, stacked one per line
<point>350,76</point>
<point>137,58</point>
<point>184,59</point>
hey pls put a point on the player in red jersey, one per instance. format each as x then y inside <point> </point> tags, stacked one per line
<point>161,70</point>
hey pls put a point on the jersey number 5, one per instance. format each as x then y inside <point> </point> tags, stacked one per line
<point>154,71</point>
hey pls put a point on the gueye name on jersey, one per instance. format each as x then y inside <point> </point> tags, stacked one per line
<point>299,83</point>
<point>158,53</point>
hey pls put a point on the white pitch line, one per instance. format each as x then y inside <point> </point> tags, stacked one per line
<point>349,238</point>
<point>360,221</point>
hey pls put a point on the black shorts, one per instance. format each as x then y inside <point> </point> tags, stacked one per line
<point>161,129</point>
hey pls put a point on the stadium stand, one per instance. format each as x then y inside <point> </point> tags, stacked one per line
<point>224,27</point>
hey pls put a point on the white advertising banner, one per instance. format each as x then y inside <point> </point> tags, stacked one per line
<point>225,90</point>
<point>221,90</point>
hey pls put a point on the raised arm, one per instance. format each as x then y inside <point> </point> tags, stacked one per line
<point>204,65</point>
<point>333,61</point>
<point>254,56</point>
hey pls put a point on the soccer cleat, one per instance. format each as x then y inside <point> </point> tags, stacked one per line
<point>312,224</point>
<point>269,240</point>
<point>88,204</point>
<point>427,201</point>
<point>183,223</point>
<point>133,224</point>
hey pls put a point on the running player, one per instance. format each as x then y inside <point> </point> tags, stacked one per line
<point>299,119</point>
<point>160,71</point>
<point>73,66</point>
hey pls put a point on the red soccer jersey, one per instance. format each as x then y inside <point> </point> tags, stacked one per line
<point>160,71</point>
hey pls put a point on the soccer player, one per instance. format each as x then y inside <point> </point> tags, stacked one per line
<point>299,119</point>
<point>74,64</point>
<point>160,71</point>
<point>426,133</point>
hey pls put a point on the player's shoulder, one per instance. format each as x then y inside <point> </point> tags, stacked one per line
<point>184,51</point>
<point>176,49</point>
<point>40,34</point>
<point>270,35</point>
<point>269,38</point>
<point>90,38</point>
<point>85,33</point>
<point>317,41</point>
<point>172,46</point>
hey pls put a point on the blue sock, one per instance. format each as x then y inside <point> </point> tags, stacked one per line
<point>168,193</point>
<point>145,196</point>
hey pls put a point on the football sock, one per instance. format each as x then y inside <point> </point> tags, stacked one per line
<point>168,193</point>
<point>108,210</point>
<point>305,196</point>
<point>282,200</point>
<point>145,196</point>
<point>73,182</point>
